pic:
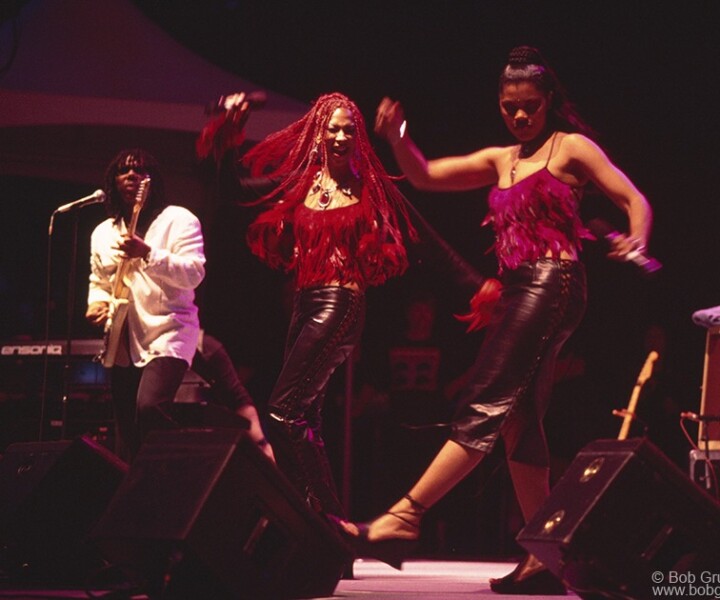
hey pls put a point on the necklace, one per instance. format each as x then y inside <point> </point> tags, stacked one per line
<point>326,193</point>
<point>526,150</point>
<point>513,168</point>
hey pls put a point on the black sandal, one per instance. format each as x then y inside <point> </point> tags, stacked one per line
<point>392,550</point>
<point>519,582</point>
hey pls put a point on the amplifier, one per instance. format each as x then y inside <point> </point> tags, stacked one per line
<point>701,463</point>
<point>621,513</point>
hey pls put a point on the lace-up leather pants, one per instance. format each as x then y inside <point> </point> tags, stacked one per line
<point>326,325</point>
<point>542,303</point>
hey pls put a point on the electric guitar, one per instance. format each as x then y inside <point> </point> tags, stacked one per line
<point>629,413</point>
<point>120,302</point>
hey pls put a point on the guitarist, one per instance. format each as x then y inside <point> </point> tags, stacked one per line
<point>164,262</point>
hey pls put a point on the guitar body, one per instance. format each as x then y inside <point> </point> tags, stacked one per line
<point>120,303</point>
<point>114,330</point>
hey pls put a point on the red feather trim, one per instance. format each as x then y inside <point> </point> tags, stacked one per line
<point>482,305</point>
<point>218,136</point>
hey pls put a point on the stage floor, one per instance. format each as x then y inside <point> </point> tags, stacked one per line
<point>418,580</point>
<point>426,580</point>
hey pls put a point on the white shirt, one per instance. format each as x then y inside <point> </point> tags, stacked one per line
<point>162,319</point>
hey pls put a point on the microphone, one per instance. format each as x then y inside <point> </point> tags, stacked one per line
<point>699,418</point>
<point>94,198</point>
<point>647,264</point>
<point>255,100</point>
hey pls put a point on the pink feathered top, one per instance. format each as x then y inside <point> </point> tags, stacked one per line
<point>537,216</point>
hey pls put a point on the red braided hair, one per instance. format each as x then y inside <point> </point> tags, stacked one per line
<point>296,153</point>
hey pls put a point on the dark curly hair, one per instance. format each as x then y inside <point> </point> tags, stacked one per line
<point>140,158</point>
<point>527,64</point>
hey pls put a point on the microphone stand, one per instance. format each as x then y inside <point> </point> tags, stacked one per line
<point>347,438</point>
<point>67,366</point>
<point>46,361</point>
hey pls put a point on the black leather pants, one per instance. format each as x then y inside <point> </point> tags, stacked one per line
<point>541,304</point>
<point>326,325</point>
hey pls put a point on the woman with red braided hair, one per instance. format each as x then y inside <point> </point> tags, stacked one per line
<point>536,184</point>
<point>332,219</point>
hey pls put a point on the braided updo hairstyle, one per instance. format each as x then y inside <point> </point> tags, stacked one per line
<point>527,64</point>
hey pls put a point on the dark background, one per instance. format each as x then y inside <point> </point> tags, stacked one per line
<point>646,78</point>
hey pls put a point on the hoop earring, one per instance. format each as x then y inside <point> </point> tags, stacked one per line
<point>314,156</point>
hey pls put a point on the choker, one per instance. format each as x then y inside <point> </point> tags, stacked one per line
<point>529,148</point>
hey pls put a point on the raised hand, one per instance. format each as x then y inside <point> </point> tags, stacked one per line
<point>390,120</point>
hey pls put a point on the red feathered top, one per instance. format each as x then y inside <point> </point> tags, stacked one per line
<point>537,215</point>
<point>342,245</point>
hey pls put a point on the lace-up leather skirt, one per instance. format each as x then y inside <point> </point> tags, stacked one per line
<point>542,303</point>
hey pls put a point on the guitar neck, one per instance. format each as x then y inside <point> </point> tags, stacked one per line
<point>645,374</point>
<point>119,286</point>
<point>134,217</point>
<point>119,283</point>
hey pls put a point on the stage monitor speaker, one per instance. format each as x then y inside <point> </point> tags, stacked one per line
<point>51,495</point>
<point>203,513</point>
<point>622,519</point>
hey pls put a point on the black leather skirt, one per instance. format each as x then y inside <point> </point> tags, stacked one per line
<point>541,304</point>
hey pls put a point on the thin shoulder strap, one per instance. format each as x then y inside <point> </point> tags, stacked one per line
<point>552,145</point>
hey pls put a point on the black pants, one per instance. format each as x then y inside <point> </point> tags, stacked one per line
<point>137,396</point>
<point>326,325</point>
<point>541,304</point>
<point>214,365</point>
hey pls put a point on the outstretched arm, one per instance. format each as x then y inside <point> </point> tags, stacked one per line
<point>453,173</point>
